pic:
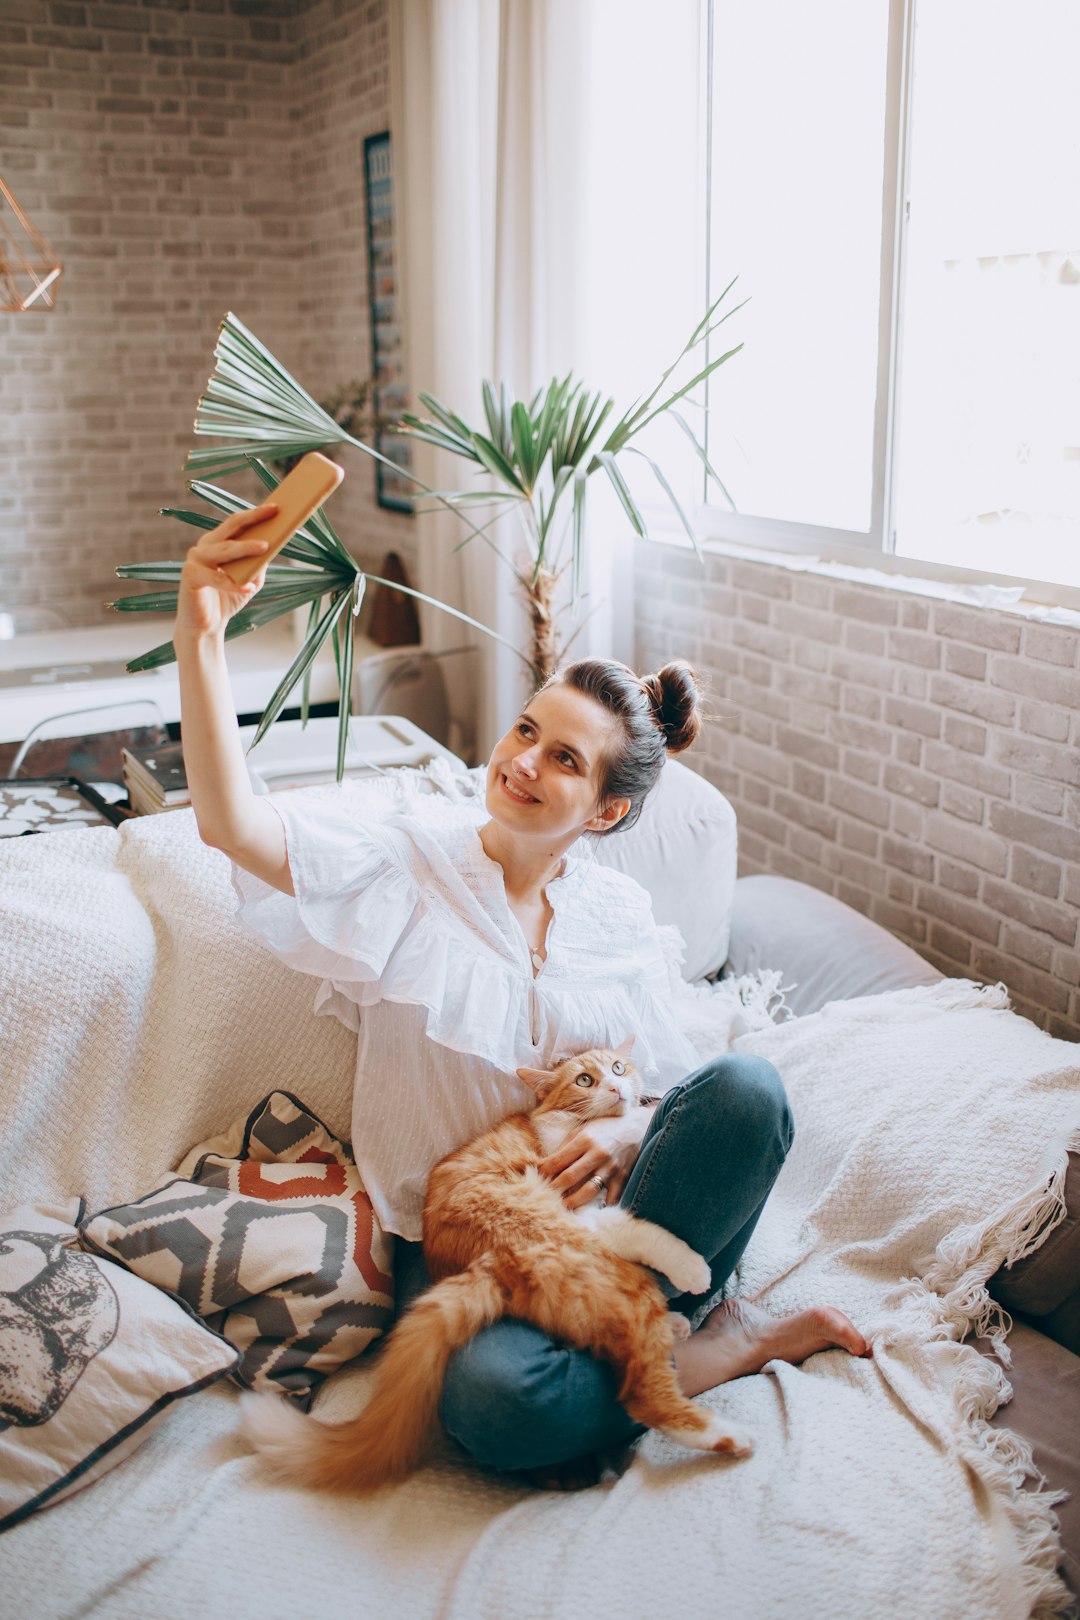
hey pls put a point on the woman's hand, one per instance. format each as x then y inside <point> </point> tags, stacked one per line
<point>207,598</point>
<point>607,1148</point>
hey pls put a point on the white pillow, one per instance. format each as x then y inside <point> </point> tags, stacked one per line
<point>683,849</point>
<point>90,1358</point>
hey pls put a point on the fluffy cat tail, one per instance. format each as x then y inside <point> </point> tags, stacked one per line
<point>386,1441</point>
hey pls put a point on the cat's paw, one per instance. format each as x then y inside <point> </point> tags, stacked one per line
<point>688,1270</point>
<point>716,1434</point>
<point>729,1439</point>
<point>680,1326</point>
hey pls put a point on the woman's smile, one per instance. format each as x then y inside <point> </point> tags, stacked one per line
<point>519,795</point>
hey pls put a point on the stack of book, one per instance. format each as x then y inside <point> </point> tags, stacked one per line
<point>155,778</point>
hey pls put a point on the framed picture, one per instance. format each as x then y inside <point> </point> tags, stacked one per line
<point>387,347</point>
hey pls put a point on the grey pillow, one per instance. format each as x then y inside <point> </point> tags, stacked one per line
<point>825,950</point>
<point>1045,1283</point>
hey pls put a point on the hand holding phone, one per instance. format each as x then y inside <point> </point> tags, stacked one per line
<point>298,495</point>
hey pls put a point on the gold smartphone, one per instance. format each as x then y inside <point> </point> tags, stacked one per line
<point>299,494</point>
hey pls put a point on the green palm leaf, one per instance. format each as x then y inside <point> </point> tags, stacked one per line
<point>679,393</point>
<point>250,392</point>
<point>700,452</point>
<point>521,426</point>
<point>305,686</point>
<point>301,664</point>
<point>622,490</point>
<point>496,463</point>
<point>579,536</point>
<point>671,495</point>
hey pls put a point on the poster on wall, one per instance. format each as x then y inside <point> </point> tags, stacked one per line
<point>387,347</point>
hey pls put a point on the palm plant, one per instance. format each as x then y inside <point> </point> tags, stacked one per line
<point>535,457</point>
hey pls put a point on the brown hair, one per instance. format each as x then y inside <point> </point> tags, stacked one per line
<point>658,715</point>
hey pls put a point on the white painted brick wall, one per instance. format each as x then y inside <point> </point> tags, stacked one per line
<point>183,158</point>
<point>917,759</point>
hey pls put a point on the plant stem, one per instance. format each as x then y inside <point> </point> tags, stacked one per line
<point>541,599</point>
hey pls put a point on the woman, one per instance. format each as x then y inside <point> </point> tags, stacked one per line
<point>474,943</point>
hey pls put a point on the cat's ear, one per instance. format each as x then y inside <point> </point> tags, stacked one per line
<point>539,1080</point>
<point>624,1047</point>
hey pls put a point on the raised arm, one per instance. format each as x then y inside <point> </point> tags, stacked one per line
<point>230,815</point>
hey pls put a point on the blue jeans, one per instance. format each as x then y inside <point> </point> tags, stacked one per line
<point>516,1399</point>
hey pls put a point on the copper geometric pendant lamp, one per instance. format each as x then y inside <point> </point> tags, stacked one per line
<point>29,269</point>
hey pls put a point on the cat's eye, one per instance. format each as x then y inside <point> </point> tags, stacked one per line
<point>618,1068</point>
<point>585,1080</point>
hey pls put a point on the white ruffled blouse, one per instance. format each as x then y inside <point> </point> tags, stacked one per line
<point>404,918</point>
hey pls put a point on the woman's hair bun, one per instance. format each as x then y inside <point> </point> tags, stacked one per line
<point>675,697</point>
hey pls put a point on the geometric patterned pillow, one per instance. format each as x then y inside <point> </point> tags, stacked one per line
<point>272,1240</point>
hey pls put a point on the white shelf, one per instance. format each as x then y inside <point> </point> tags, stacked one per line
<point>75,669</point>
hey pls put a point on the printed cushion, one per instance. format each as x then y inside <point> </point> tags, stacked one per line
<point>268,1234</point>
<point>90,1359</point>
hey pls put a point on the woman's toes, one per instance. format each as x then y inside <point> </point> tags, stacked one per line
<point>838,1330</point>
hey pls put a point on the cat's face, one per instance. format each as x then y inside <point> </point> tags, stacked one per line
<point>601,1081</point>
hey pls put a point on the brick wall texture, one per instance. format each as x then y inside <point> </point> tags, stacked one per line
<point>184,157</point>
<point>918,759</point>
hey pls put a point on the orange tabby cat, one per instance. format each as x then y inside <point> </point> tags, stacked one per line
<point>500,1241</point>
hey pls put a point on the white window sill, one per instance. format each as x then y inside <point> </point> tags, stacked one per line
<point>1029,599</point>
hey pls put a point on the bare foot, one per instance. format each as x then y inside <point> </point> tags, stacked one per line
<point>738,1338</point>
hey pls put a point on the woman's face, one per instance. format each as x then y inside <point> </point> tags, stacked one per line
<point>544,774</point>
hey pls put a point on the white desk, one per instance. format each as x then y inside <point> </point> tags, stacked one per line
<point>51,672</point>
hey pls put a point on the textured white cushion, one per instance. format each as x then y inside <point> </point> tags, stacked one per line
<point>683,850</point>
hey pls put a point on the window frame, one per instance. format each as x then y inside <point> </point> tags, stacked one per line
<point>716,524</point>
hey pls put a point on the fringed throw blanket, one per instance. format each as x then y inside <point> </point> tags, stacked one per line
<point>931,1135</point>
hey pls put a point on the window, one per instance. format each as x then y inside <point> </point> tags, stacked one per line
<point>898,186</point>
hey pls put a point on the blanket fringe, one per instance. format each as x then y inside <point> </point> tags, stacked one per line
<point>950,1300</point>
<point>951,995</point>
<point>949,1303</point>
<point>761,997</point>
<point>1003,1460</point>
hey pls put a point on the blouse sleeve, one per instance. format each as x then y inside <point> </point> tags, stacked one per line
<point>356,897</point>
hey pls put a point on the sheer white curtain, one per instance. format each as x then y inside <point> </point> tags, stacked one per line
<point>524,133</point>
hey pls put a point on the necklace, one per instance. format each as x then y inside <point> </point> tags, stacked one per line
<point>536,959</point>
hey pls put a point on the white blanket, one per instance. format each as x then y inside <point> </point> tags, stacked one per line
<point>136,1016</point>
<point>135,1019</point>
<point>931,1137</point>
